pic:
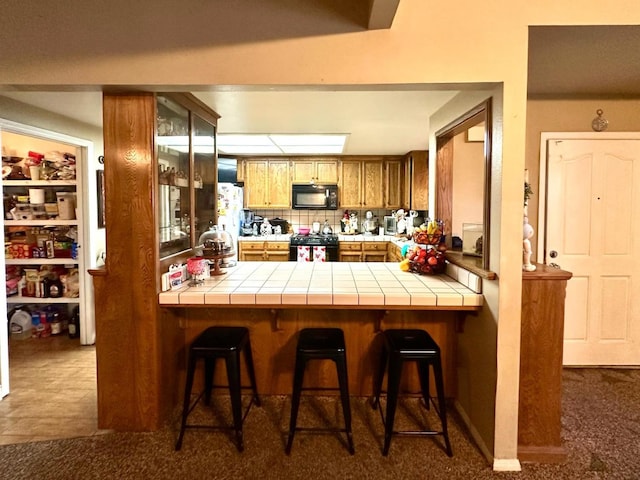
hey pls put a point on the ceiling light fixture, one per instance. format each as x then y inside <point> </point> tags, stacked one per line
<point>259,144</point>
<point>281,144</point>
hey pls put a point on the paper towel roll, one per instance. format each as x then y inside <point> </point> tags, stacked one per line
<point>36,195</point>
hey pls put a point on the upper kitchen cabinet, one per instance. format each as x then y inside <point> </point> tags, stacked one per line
<point>394,184</point>
<point>361,183</point>
<point>185,139</point>
<point>205,175</point>
<point>320,170</point>
<point>159,149</point>
<point>418,179</point>
<point>267,183</point>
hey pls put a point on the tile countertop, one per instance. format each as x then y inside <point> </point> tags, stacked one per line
<point>329,285</point>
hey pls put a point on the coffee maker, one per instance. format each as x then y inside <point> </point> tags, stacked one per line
<point>248,218</point>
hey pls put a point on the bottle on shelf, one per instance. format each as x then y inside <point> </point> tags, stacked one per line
<point>74,324</point>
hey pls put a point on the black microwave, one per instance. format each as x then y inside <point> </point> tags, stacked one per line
<point>316,197</point>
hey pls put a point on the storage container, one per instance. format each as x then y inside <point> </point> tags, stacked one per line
<point>66,205</point>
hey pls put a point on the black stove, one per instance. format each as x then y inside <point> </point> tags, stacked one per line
<point>314,239</point>
<point>329,243</point>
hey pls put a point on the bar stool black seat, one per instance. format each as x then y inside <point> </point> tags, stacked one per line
<point>401,345</point>
<point>211,344</point>
<point>321,344</point>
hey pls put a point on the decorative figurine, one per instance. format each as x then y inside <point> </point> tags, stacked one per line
<point>527,233</point>
<point>527,230</point>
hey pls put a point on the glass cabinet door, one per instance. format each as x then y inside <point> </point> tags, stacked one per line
<point>174,174</point>
<point>205,175</point>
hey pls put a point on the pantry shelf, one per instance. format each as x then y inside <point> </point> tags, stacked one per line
<point>40,261</point>
<point>39,183</point>
<point>36,223</point>
<point>24,300</point>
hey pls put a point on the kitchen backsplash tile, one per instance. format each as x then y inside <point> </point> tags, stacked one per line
<point>305,218</point>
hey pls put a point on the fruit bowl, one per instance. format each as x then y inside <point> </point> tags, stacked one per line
<point>427,269</point>
<point>424,260</point>
<point>431,233</point>
<point>424,238</point>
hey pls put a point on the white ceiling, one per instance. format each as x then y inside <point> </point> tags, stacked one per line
<point>579,61</point>
<point>381,121</point>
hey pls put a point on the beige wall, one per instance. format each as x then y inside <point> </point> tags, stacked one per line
<point>121,43</point>
<point>478,347</point>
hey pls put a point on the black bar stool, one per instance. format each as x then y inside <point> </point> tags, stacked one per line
<point>211,344</point>
<point>321,344</point>
<point>403,345</point>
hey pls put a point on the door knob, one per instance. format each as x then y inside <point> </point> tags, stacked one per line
<point>553,254</point>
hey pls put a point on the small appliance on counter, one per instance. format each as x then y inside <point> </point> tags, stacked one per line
<point>390,224</point>
<point>247,222</point>
<point>370,225</point>
<point>279,222</point>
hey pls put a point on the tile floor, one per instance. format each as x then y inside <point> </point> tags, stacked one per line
<point>53,391</point>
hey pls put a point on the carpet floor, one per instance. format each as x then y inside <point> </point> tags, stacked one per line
<point>601,431</point>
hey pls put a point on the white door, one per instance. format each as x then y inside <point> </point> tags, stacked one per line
<point>593,231</point>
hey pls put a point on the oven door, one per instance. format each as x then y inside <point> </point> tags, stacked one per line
<point>331,253</point>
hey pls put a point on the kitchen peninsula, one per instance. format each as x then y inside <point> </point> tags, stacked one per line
<point>142,334</point>
<point>277,299</point>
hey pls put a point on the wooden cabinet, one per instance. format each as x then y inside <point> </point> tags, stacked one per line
<point>186,175</point>
<point>374,251</point>
<point>394,184</point>
<point>260,251</point>
<point>350,184</point>
<point>320,170</point>
<point>362,251</point>
<point>418,179</point>
<point>542,332</point>
<point>350,251</point>
<point>276,251</point>
<point>361,183</point>
<point>251,251</point>
<point>393,252</point>
<point>267,183</point>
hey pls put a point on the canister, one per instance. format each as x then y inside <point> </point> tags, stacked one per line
<point>66,205</point>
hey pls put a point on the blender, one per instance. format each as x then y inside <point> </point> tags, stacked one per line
<point>247,222</point>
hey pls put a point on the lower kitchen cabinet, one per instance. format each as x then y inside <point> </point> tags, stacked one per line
<point>374,251</point>
<point>393,252</point>
<point>362,251</point>
<point>262,251</point>
<point>350,251</point>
